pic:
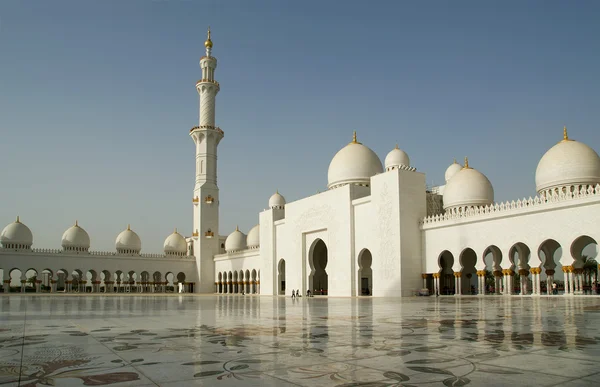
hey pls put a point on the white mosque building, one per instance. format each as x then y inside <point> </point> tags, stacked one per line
<point>375,231</point>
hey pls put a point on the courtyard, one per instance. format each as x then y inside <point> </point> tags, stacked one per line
<point>227,340</point>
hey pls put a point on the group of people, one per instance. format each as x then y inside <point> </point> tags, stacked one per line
<point>296,293</point>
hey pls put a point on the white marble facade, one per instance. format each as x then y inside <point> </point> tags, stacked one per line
<point>377,230</point>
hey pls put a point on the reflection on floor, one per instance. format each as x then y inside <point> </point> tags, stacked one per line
<point>274,341</point>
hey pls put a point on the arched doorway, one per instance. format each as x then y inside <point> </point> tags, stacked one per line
<point>365,273</point>
<point>468,279</point>
<point>318,278</point>
<point>446,261</point>
<point>281,277</point>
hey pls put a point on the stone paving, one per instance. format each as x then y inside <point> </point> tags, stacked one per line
<point>187,340</point>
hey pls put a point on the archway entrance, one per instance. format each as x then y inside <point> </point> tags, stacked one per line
<point>365,274</point>
<point>318,278</point>
<point>281,277</point>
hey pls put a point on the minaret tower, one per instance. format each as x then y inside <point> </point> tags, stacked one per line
<point>206,136</point>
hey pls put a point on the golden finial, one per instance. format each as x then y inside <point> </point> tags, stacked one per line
<point>208,43</point>
<point>237,228</point>
<point>354,137</point>
<point>128,227</point>
<point>175,232</point>
<point>18,219</point>
<point>466,163</point>
<point>396,146</point>
<point>565,135</point>
<point>76,223</point>
<point>277,191</point>
<point>455,161</point>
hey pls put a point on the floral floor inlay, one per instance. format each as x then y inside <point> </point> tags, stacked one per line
<point>225,340</point>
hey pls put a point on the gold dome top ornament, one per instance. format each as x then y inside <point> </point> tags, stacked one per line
<point>466,163</point>
<point>354,141</point>
<point>208,43</point>
<point>565,135</point>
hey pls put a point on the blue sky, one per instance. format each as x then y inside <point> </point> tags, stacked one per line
<point>97,99</point>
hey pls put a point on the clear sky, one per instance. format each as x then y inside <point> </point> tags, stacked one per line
<point>97,99</point>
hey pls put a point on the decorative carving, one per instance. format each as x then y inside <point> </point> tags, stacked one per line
<point>209,234</point>
<point>196,199</point>
<point>209,199</point>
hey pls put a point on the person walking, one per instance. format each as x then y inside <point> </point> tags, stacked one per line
<point>293,294</point>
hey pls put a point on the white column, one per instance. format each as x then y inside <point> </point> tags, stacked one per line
<point>567,285</point>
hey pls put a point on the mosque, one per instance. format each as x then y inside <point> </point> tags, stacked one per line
<point>377,230</point>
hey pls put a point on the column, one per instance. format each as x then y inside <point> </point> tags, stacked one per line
<point>549,281</point>
<point>424,276</point>
<point>481,276</point>
<point>565,271</point>
<point>458,286</point>
<point>498,276</point>
<point>571,284</point>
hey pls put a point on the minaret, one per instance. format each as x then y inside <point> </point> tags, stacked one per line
<point>206,136</point>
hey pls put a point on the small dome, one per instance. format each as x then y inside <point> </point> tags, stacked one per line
<point>236,241</point>
<point>253,239</point>
<point>567,163</point>
<point>396,158</point>
<point>467,188</point>
<point>128,242</point>
<point>452,170</point>
<point>175,244</point>
<point>16,236</point>
<point>353,164</point>
<point>276,201</point>
<point>75,239</point>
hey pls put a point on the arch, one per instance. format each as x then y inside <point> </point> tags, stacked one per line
<point>248,279</point>
<point>254,281</point>
<point>235,282</point>
<point>281,276</point>
<point>445,262</point>
<point>170,280</point>
<point>584,251</point>
<point>31,278</point>
<point>492,262</point>
<point>47,276</point>
<point>318,278</point>
<point>468,278</point>
<point>365,272</point>
<point>518,256</point>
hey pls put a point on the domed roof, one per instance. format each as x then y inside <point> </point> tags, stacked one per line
<point>568,162</point>
<point>396,158</point>
<point>236,241</point>
<point>253,239</point>
<point>16,235</point>
<point>452,170</point>
<point>75,238</point>
<point>175,244</point>
<point>128,242</point>
<point>468,187</point>
<point>353,164</point>
<point>276,200</point>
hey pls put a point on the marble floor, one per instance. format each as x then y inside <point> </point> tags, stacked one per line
<point>188,340</point>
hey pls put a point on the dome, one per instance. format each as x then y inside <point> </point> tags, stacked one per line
<point>276,201</point>
<point>236,241</point>
<point>468,187</point>
<point>128,242</point>
<point>75,239</point>
<point>397,157</point>
<point>353,164</point>
<point>452,170</point>
<point>175,244</point>
<point>567,163</point>
<point>16,236</point>
<point>253,239</point>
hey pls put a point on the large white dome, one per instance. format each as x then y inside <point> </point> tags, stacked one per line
<point>276,200</point>
<point>236,241</point>
<point>175,244</point>
<point>452,170</point>
<point>75,239</point>
<point>353,164</point>
<point>253,239</point>
<point>396,158</point>
<point>467,188</point>
<point>16,236</point>
<point>568,162</point>
<point>128,242</point>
